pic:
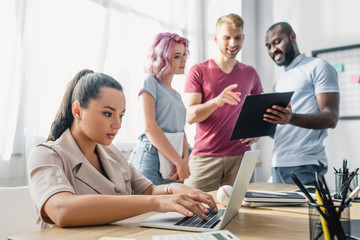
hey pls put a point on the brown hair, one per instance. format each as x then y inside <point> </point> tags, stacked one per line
<point>86,85</point>
<point>232,19</point>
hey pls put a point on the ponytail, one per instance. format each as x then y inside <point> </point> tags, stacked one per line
<point>64,117</point>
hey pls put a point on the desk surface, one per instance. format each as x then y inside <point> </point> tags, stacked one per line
<point>298,209</point>
<point>250,223</point>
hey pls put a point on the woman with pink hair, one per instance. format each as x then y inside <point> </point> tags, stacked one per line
<point>164,114</point>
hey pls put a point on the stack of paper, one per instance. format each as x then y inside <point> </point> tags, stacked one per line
<point>259,198</point>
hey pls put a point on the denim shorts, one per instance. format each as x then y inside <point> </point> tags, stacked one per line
<point>145,159</point>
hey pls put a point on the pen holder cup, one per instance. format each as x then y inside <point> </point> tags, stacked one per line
<point>338,227</point>
<point>339,180</point>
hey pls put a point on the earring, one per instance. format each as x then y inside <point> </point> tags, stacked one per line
<point>78,121</point>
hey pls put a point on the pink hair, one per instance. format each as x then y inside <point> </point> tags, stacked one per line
<point>161,52</point>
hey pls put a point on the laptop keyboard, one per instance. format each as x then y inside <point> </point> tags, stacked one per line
<point>212,220</point>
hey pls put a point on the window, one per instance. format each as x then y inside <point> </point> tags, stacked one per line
<point>46,42</point>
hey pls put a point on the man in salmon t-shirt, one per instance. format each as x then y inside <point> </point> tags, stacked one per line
<point>214,94</point>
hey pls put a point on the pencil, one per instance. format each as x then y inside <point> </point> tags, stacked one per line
<point>323,221</point>
<point>307,194</point>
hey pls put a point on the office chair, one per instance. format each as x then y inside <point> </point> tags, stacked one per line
<point>17,213</point>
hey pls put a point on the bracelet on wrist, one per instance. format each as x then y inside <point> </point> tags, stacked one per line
<point>167,188</point>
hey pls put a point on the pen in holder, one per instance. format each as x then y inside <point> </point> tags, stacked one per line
<point>329,219</point>
<point>345,182</point>
<point>335,225</point>
<point>340,184</point>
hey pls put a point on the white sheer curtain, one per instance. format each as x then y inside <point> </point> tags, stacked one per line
<point>12,61</point>
<point>46,42</point>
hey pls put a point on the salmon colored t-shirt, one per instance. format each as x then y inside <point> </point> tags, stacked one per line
<point>212,136</point>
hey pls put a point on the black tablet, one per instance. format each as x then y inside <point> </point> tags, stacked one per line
<point>250,122</point>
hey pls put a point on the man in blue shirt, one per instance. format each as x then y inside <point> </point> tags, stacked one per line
<point>314,107</point>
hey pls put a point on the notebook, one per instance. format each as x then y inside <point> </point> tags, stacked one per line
<point>216,221</point>
<point>258,198</point>
<point>177,141</point>
<point>250,121</point>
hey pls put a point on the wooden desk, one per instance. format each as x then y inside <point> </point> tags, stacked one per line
<point>251,223</point>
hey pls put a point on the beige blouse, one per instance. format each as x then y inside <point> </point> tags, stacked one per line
<point>60,166</point>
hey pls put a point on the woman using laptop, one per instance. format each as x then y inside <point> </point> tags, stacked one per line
<point>77,177</point>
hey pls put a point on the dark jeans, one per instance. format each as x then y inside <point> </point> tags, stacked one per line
<point>305,173</point>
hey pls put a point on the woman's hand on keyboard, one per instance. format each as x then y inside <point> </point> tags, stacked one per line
<point>187,200</point>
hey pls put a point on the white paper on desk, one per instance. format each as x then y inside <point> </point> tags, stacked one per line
<point>115,238</point>
<point>177,141</point>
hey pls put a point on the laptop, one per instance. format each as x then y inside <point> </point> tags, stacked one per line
<point>215,221</point>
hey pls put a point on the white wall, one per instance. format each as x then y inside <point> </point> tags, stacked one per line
<point>256,20</point>
<point>318,24</point>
